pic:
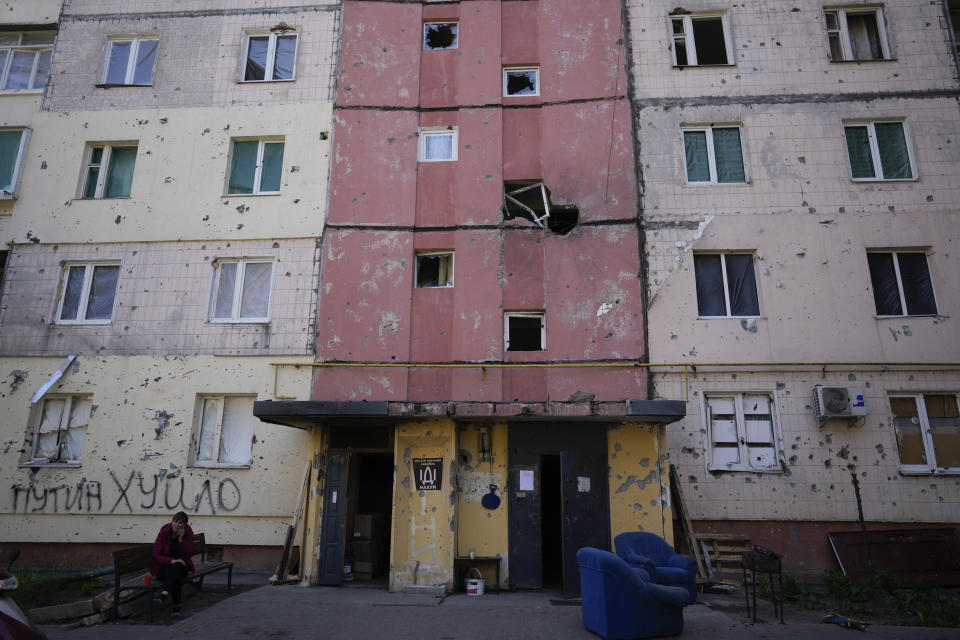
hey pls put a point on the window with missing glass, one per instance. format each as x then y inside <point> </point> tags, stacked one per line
<point>525,331</point>
<point>60,430</point>
<point>434,269</point>
<point>87,292</point>
<point>701,39</point>
<point>726,285</point>
<point>440,35</point>
<point>927,427</point>
<point>256,167</point>
<point>130,61</point>
<point>269,57</point>
<point>857,33</point>
<point>901,283</point>
<point>242,288</point>
<point>521,81</point>
<point>879,151</point>
<point>25,60</point>
<point>713,155</point>
<point>109,170</point>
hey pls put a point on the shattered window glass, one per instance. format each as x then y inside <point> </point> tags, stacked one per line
<point>521,82</point>
<point>901,283</point>
<point>440,35</point>
<point>61,430</point>
<point>435,270</point>
<point>525,332</point>
<point>242,290</point>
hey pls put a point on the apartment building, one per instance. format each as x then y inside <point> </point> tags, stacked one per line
<point>800,172</point>
<point>162,219</point>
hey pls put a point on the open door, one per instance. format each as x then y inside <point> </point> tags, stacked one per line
<point>526,570</point>
<point>586,522</point>
<point>332,528</point>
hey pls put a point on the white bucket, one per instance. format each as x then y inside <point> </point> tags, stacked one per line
<point>473,585</point>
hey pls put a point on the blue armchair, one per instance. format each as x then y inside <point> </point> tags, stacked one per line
<point>620,602</point>
<point>650,552</point>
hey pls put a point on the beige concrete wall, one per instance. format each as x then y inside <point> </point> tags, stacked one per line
<point>29,12</point>
<point>135,468</point>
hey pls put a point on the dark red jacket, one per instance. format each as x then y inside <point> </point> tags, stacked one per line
<point>162,550</point>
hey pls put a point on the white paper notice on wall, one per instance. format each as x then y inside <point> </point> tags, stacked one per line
<point>583,484</point>
<point>526,480</point>
<point>333,497</point>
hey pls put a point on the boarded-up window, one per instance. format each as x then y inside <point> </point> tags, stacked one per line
<point>225,431</point>
<point>742,432</point>
<point>61,429</point>
<point>927,428</point>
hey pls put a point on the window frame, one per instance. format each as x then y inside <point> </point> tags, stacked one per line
<point>237,295</point>
<point>106,160</point>
<point>425,132</point>
<point>197,440</point>
<point>740,424</point>
<point>711,153</point>
<point>456,39</point>
<point>14,191</point>
<point>929,451</point>
<point>258,168</point>
<point>843,32</point>
<point>875,157</point>
<point>435,254</point>
<point>89,266</point>
<point>522,69</point>
<point>690,41</point>
<point>895,255</point>
<point>270,65</point>
<point>726,283</point>
<point>36,418</point>
<point>37,50</point>
<point>131,67</point>
<point>525,314</point>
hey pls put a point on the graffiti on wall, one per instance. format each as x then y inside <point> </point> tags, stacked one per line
<point>160,491</point>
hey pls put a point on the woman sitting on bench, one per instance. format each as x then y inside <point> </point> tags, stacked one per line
<point>171,558</point>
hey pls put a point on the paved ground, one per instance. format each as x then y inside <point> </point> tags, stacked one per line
<point>290,612</point>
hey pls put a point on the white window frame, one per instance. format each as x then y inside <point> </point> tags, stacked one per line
<point>434,254</point>
<point>8,62</point>
<point>690,42</point>
<point>745,464</point>
<point>900,290</point>
<point>726,283</point>
<point>526,69</point>
<point>238,290</point>
<point>85,293</point>
<point>525,314</point>
<point>14,191</point>
<point>456,42</point>
<point>131,59</point>
<point>195,460</point>
<point>258,169</point>
<point>711,155</point>
<point>34,461</point>
<point>843,32</point>
<point>271,54</point>
<point>926,437</point>
<point>875,149</point>
<point>103,168</point>
<point>425,132</point>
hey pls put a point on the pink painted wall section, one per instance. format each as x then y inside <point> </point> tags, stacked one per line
<point>522,145</point>
<point>479,184</point>
<point>478,318</point>
<point>521,32</point>
<point>380,54</point>
<point>523,270</point>
<point>479,81</point>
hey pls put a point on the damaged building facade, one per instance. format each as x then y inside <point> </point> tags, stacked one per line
<point>800,169</point>
<point>162,221</point>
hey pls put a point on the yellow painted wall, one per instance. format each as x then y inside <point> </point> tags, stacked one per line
<point>483,531</point>
<point>423,527</point>
<point>639,480</point>
<point>310,529</point>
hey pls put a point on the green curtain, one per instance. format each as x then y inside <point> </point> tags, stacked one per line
<point>9,150</point>
<point>858,148</point>
<point>729,155</point>
<point>894,157</point>
<point>243,166</point>
<point>272,166</point>
<point>695,149</point>
<point>120,173</point>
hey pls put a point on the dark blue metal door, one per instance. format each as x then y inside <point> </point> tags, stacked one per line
<point>586,520</point>
<point>333,519</point>
<point>526,557</point>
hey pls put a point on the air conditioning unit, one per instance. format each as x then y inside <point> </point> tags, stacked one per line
<point>839,402</point>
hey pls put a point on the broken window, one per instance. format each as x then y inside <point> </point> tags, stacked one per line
<point>13,145</point>
<point>714,155</point>
<point>241,290</point>
<point>525,331</point>
<point>438,144</point>
<point>701,39</point>
<point>109,171</point>
<point>521,81</point>
<point>901,283</point>
<point>927,427</point>
<point>879,151</point>
<point>25,60</point>
<point>60,430</point>
<point>857,34</point>
<point>743,431</point>
<point>435,269</point>
<point>131,61</point>
<point>440,35</point>
<point>726,285</point>
<point>88,292</point>
<point>224,433</point>
<point>530,199</point>
<point>270,56</point>
<point>256,167</point>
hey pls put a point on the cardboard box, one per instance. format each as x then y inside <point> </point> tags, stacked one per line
<point>368,525</point>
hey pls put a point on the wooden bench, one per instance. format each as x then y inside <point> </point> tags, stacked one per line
<point>129,565</point>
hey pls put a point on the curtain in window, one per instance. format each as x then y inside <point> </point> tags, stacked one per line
<point>120,174</point>
<point>892,145</point>
<point>117,64</point>
<point>729,155</point>
<point>883,278</point>
<point>103,290</point>
<point>76,436</point>
<point>146,56</point>
<point>208,429</point>
<point>236,437</point>
<point>742,285</point>
<point>72,292</point>
<point>256,290</point>
<point>944,429</point>
<point>243,166</point>
<point>284,57</point>
<point>917,288</point>
<point>906,422</point>
<point>48,431</point>
<point>438,147</point>
<point>20,69</point>
<point>695,150</point>
<point>226,284</point>
<point>9,148</point>
<point>864,36</point>
<point>709,274</point>
<point>858,148</point>
<point>271,169</point>
<point>3,54</point>
<point>257,59</point>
